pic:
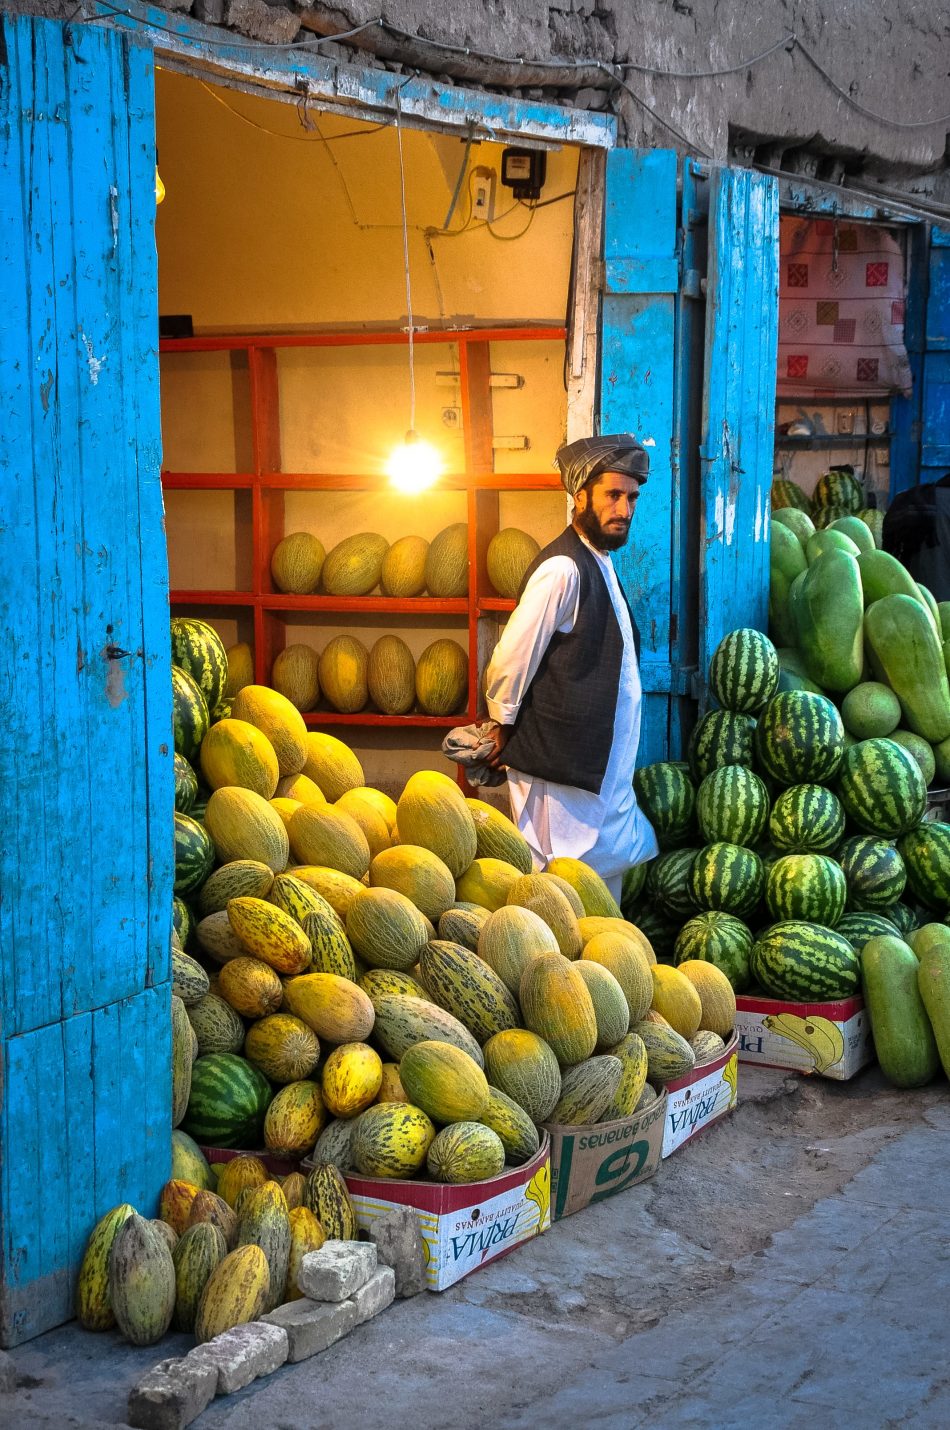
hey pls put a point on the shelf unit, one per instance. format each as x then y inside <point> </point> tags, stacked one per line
<point>266,482</point>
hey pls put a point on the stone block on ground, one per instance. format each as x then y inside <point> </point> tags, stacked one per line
<point>378,1293</point>
<point>312,1326</point>
<point>399,1244</point>
<point>337,1270</point>
<point>172,1394</point>
<point>7,1373</point>
<point>243,1354</point>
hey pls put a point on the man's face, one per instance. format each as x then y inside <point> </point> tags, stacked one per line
<point>604,510</point>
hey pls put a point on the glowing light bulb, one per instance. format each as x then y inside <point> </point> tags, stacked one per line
<point>415,466</point>
<point>159,187</point>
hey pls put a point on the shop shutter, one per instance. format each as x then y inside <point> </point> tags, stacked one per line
<point>738,405</point>
<point>86,758</point>
<point>935,393</point>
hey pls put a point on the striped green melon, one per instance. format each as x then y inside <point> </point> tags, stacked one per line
<point>874,870</point>
<point>465,1152</point>
<point>510,553</point>
<point>524,1066</point>
<point>403,572</point>
<point>722,737</point>
<point>870,710</point>
<point>732,806</point>
<point>726,877</point>
<point>218,1028</point>
<point>858,928</point>
<point>808,887</point>
<point>391,676</point>
<point>496,837</point>
<point>463,984</point>
<point>611,1009</point>
<point>386,929</point>
<point>442,678</point>
<point>198,649</point>
<point>292,896</point>
<point>444,1082</point>
<point>189,980</point>
<point>926,855</point>
<point>632,1054</point>
<point>186,785</point>
<point>243,826</point>
<point>838,488</point>
<point>343,674</point>
<point>511,1123</point>
<point>296,564</point>
<point>228,1101</point>
<point>743,673</point>
<point>391,1139</point>
<point>806,963</point>
<point>241,878</point>
<point>194,854</point>
<point>295,674</point>
<point>556,1005</point>
<point>353,566</point>
<point>332,765</point>
<point>390,983</point>
<point>720,939</point>
<point>587,1091</point>
<point>510,938</point>
<point>882,788</point>
<point>431,812</point>
<point>446,568</point>
<point>669,1055</point>
<point>419,874</point>
<point>806,819</point>
<point>667,797</point>
<point>667,883</point>
<point>190,718</point>
<point>786,493</point>
<point>799,738</point>
<point>402,1021</point>
<point>463,923</point>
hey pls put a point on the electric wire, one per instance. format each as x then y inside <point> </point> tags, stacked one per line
<point>405,253</point>
<point>318,137</point>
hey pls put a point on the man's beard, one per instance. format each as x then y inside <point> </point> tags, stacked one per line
<point>595,533</point>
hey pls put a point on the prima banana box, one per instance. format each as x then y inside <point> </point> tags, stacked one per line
<point>701,1097</point>
<point>831,1040</point>
<point>599,1159</point>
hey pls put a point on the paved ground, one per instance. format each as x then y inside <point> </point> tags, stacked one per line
<point>789,1268</point>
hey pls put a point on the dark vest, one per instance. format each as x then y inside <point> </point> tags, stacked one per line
<point>565,726</point>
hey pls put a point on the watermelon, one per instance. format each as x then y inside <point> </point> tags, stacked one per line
<point>667,884</point>
<point>190,718</point>
<point>874,871</point>
<point>634,882</point>
<point>722,737</point>
<point>881,788</point>
<point>799,738</point>
<point>805,962</point>
<point>198,649</point>
<point>727,878</point>
<point>667,797</point>
<point>788,493</point>
<point>806,886</point>
<point>743,673</point>
<point>228,1100</point>
<point>194,854</point>
<point>183,920</point>
<point>902,916</point>
<point>806,819</point>
<point>840,490</point>
<point>719,939</point>
<point>732,806</point>
<point>857,928</point>
<point>660,931</point>
<point>186,784</point>
<point>926,855</point>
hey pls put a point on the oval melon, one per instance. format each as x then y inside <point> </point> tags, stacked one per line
<point>332,765</point>
<point>236,753</point>
<point>510,553</point>
<point>716,996</point>
<point>403,571</point>
<point>444,1081</point>
<point>486,882</point>
<point>419,874</point>
<point>540,894</point>
<point>391,676</point>
<point>621,957</point>
<point>498,838</point>
<point>510,938</point>
<point>343,674</point>
<point>240,668</point>
<point>322,835</point>
<point>369,819</point>
<point>280,721</point>
<point>297,562</point>
<point>446,568</point>
<point>353,566</point>
<point>442,678</point>
<point>295,674</point>
<point>556,1005</point>
<point>243,826</point>
<point>391,1139</point>
<point>524,1066</point>
<point>431,812</point>
<point>386,929</point>
<point>465,1152</point>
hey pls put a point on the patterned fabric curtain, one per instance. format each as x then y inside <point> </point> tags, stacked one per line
<point>841,309</point>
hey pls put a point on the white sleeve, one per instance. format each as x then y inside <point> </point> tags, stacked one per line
<point>549,603</point>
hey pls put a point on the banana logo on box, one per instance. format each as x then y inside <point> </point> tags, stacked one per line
<point>821,1039</point>
<point>730,1076</point>
<point>538,1191</point>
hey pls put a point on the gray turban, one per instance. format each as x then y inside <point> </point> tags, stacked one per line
<point>581,461</point>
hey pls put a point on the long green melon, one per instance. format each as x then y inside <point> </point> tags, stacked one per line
<point>446,568</point>
<point>353,566</point>
<point>524,1066</point>
<point>806,963</point>
<point>464,985</point>
<point>903,1038</point>
<point>829,615</point>
<point>883,575</point>
<point>797,519</point>
<point>905,651</point>
<point>442,678</point>
<point>933,982</point>
<point>402,1021</point>
<point>806,819</point>
<point>786,561</point>
<point>874,870</point>
<point>722,737</point>
<point>743,673</point>
<point>799,738</point>
<point>882,788</point>
<point>391,676</point>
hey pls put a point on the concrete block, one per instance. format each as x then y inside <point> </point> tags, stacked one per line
<point>312,1326</point>
<point>7,1373</point>
<point>399,1244</point>
<point>378,1293</point>
<point>243,1354</point>
<point>172,1394</point>
<point>262,22</point>
<point>337,1270</point>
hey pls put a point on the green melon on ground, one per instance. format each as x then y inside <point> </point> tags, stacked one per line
<point>870,709</point>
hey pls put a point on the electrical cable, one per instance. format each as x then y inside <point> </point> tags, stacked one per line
<point>868,113</point>
<point>405,254</point>
<point>318,138</point>
<point>458,182</point>
<point>709,74</point>
<point>511,237</point>
<point>690,144</point>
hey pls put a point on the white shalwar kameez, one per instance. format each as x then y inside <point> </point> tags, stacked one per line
<point>607,830</point>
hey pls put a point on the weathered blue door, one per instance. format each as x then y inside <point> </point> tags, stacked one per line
<point>85,759</point>
<point>935,368</point>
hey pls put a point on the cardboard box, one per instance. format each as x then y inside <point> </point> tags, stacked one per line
<point>830,1039</point>
<point>699,1098</point>
<point>467,1226</point>
<point>596,1161</point>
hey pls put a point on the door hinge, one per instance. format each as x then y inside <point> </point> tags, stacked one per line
<point>693,284</point>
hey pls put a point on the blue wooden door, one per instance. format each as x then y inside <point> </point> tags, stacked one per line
<point>738,405</point>
<point>85,762</point>
<point>935,368</point>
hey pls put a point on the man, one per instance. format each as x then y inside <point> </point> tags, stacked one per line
<point>563,682</point>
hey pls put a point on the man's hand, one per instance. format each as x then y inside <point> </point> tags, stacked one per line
<point>499,735</point>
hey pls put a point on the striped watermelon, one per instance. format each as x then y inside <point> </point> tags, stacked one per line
<point>743,673</point>
<point>806,886</point>
<point>634,883</point>
<point>926,854</point>
<point>857,928</point>
<point>190,718</point>
<point>874,870</point>
<point>198,649</point>
<point>732,806</point>
<point>194,854</point>
<point>660,930</point>
<point>667,883</point>
<point>839,489</point>
<point>722,737</point>
<point>183,920</point>
<point>799,738</point>
<point>720,939</point>
<point>805,963</point>
<point>806,819</point>
<point>788,493</point>
<point>903,916</point>
<point>727,878</point>
<point>667,797</point>
<point>186,784</point>
<point>229,1098</point>
<point>882,788</point>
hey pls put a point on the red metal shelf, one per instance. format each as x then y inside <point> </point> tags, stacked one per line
<point>495,603</point>
<point>242,342</point>
<point>391,605</point>
<point>212,598</point>
<point>353,481</point>
<point>208,481</point>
